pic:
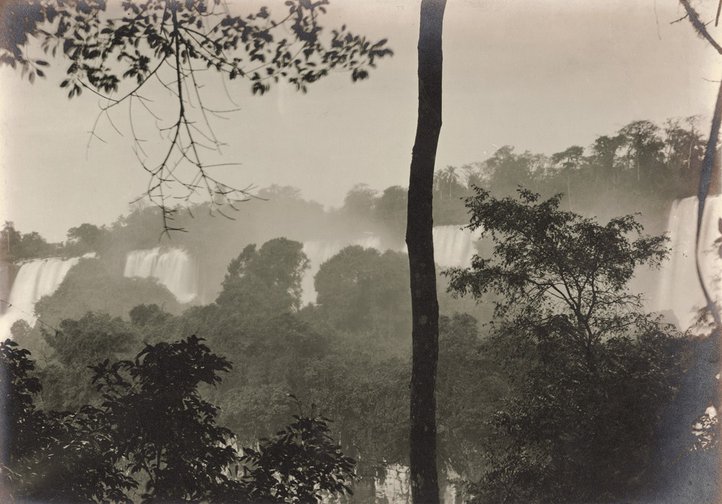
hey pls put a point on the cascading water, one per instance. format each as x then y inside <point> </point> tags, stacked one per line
<point>35,279</point>
<point>6,271</point>
<point>320,251</point>
<point>172,267</point>
<point>679,291</point>
<point>396,487</point>
<point>454,246</point>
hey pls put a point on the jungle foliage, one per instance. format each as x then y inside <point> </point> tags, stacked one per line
<point>153,438</point>
<point>589,371</point>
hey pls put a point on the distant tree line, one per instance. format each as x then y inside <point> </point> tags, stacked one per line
<point>18,246</point>
<point>643,167</point>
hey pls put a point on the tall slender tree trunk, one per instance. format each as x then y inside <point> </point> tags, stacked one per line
<point>419,238</point>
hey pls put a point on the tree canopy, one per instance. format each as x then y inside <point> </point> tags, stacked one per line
<point>267,280</point>
<point>570,270</point>
<point>154,433</point>
<point>589,370</point>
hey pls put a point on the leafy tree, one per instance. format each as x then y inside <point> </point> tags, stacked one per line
<point>85,238</point>
<point>684,148</point>
<point>569,158</point>
<point>391,211</point>
<point>148,314</point>
<point>360,202</point>
<point>644,151</point>
<point>18,411</point>
<point>89,339</point>
<point>545,259</point>
<point>154,427</point>
<point>360,289</point>
<point>33,245</point>
<point>53,456</point>
<point>281,349</point>
<point>604,153</point>
<point>566,434</point>
<point>265,281</point>
<point>420,241</point>
<point>271,353</point>
<point>76,460</point>
<point>509,170</point>
<point>298,465</point>
<point>448,183</point>
<point>161,424</point>
<point>568,161</point>
<point>118,59</point>
<point>74,345</point>
<point>9,238</point>
<point>15,246</point>
<point>21,330</point>
<point>590,370</point>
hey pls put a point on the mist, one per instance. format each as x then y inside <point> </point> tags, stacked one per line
<point>230,290</point>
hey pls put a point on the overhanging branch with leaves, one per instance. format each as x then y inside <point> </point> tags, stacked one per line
<point>117,54</point>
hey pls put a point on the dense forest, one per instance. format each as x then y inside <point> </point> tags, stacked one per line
<point>122,393</point>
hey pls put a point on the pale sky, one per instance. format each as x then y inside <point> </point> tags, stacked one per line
<point>537,74</point>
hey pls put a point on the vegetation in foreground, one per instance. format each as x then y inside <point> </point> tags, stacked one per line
<point>153,438</point>
<point>589,370</point>
<point>556,397</point>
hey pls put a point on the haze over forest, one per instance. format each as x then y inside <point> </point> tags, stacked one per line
<point>603,65</point>
<point>255,345</point>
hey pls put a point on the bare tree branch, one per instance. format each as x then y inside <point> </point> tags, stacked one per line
<point>699,26</point>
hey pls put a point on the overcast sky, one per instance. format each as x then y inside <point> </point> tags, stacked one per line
<point>539,75</point>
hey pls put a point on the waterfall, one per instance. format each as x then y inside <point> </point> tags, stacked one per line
<point>454,246</point>
<point>35,279</point>
<point>679,291</point>
<point>320,251</point>
<point>6,273</point>
<point>396,487</point>
<point>172,267</point>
